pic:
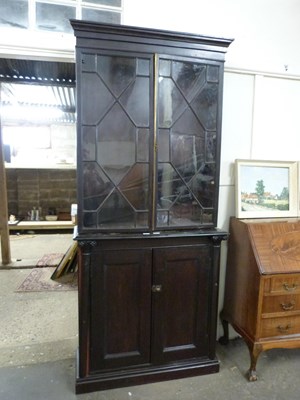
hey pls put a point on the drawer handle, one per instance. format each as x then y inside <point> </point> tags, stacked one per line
<point>283,329</point>
<point>288,306</point>
<point>290,288</point>
<point>156,288</point>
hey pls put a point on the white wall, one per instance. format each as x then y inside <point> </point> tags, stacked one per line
<point>266,32</point>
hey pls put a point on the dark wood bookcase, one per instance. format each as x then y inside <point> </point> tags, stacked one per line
<point>149,108</point>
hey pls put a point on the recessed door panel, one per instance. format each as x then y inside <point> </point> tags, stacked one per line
<point>120,305</point>
<point>181,305</point>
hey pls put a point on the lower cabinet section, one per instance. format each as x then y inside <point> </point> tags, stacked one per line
<point>147,310</point>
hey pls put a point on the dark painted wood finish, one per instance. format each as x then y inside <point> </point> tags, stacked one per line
<point>147,309</point>
<point>148,297</point>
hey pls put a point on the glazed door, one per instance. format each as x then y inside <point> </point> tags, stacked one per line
<point>181,302</point>
<point>120,301</point>
<point>114,141</point>
<point>186,136</point>
<point>148,142</point>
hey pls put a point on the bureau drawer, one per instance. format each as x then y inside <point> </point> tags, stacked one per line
<point>283,326</point>
<point>283,284</point>
<point>282,303</point>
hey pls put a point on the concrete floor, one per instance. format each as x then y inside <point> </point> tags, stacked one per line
<point>38,342</point>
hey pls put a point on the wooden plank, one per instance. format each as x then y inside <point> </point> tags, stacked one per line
<point>41,225</point>
<point>4,230</point>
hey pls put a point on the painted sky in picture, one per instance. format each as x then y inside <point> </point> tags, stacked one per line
<point>275,178</point>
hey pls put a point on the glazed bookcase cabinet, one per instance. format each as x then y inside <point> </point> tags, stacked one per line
<point>149,107</point>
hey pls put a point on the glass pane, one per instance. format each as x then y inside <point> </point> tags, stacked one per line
<point>169,184</point>
<point>142,220</point>
<point>100,99</point>
<point>116,213</point>
<point>116,147</point>
<point>189,77</point>
<point>88,143</point>
<point>163,141</point>
<point>136,101</point>
<point>101,16</point>
<point>207,217</point>
<point>143,145</point>
<point>171,103</point>
<point>188,124</point>
<point>210,146</point>
<point>212,73</point>
<point>113,3</point>
<point>183,202</point>
<point>53,17</point>
<point>117,72</point>
<point>88,62</point>
<point>187,154</point>
<point>116,135</point>
<point>14,13</point>
<point>143,67</point>
<point>202,185</point>
<point>187,116</point>
<point>134,186</point>
<point>205,105</point>
<point>164,68</point>
<point>96,186</point>
<point>163,219</point>
<point>90,219</point>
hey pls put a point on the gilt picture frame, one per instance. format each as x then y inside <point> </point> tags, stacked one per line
<point>266,189</point>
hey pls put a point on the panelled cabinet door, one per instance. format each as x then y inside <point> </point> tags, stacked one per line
<point>120,305</point>
<point>180,302</point>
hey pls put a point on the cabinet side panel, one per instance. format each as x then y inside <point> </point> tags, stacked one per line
<point>242,280</point>
<point>120,305</point>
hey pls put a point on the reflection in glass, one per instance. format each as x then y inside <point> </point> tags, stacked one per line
<point>54,17</point>
<point>117,136</point>
<point>100,98</point>
<point>116,211</point>
<point>176,199</point>
<point>143,145</point>
<point>163,140</point>
<point>116,133</point>
<point>134,186</point>
<point>143,67</point>
<point>117,72</point>
<point>96,186</point>
<point>171,103</point>
<point>205,105</point>
<point>14,14</point>
<point>106,16</point>
<point>189,77</point>
<point>112,3</point>
<point>187,116</point>
<point>136,101</point>
<point>88,62</point>
<point>88,143</point>
<point>116,147</point>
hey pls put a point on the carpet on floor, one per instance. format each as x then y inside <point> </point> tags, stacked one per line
<point>50,260</point>
<point>39,280</point>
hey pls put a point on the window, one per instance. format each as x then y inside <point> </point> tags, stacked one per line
<point>54,15</point>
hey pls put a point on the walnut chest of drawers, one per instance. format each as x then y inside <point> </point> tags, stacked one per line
<point>262,290</point>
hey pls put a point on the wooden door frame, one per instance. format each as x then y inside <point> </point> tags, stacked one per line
<point>4,229</point>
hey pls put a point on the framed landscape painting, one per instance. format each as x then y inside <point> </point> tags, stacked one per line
<point>266,189</point>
